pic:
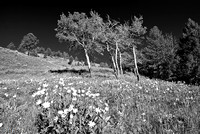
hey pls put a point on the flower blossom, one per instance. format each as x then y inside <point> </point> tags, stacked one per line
<point>91,124</point>
<point>61,82</point>
<point>46,105</point>
<point>45,85</point>
<point>1,124</point>
<point>38,102</point>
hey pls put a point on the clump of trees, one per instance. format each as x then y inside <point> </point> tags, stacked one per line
<point>28,43</point>
<point>168,58</point>
<point>158,56</point>
<point>11,46</point>
<point>188,54</point>
<point>164,56</point>
<point>92,33</point>
<point>82,31</point>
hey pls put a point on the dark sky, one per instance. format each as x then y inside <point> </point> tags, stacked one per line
<point>18,19</point>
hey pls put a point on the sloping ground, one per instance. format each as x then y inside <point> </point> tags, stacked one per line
<point>106,105</point>
<point>13,62</point>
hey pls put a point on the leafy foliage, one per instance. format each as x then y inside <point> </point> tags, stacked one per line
<point>11,46</point>
<point>82,30</point>
<point>159,54</point>
<point>65,55</point>
<point>28,43</point>
<point>189,53</point>
<point>48,52</point>
<point>40,50</point>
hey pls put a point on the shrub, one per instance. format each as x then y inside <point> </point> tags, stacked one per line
<point>28,43</point>
<point>11,46</point>
<point>33,53</point>
<point>102,64</point>
<point>71,59</point>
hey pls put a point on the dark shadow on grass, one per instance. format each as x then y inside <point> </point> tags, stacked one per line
<point>72,71</point>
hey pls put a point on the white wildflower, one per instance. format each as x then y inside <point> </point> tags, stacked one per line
<point>97,94</point>
<point>56,86</point>
<point>56,119</point>
<point>82,95</point>
<point>66,111</point>
<point>46,105</point>
<point>177,99</point>
<point>156,88</point>
<point>107,118</point>
<point>39,88</point>
<point>91,124</point>
<point>98,110</point>
<point>70,83</point>
<point>69,91</point>
<point>83,91</point>
<point>74,99</point>
<point>71,116</point>
<point>91,107</point>
<point>54,91</point>
<point>80,81</point>
<point>106,108</point>
<point>60,112</point>
<point>38,102</point>
<point>6,94</point>
<point>88,93</point>
<point>15,96</point>
<point>73,89</point>
<point>45,85</point>
<point>1,124</point>
<point>63,115</point>
<point>46,97</point>
<point>71,107</point>
<point>70,121</point>
<point>74,93</point>
<point>34,94</point>
<point>61,82</point>
<point>75,110</point>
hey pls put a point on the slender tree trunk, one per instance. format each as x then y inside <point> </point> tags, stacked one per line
<point>116,53</point>
<point>120,63</point>
<point>114,65</point>
<point>88,62</point>
<point>113,61</point>
<point>136,68</point>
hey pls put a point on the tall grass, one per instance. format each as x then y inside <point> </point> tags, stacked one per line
<point>60,105</point>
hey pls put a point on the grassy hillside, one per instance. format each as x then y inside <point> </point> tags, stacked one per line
<point>15,65</point>
<point>64,103</point>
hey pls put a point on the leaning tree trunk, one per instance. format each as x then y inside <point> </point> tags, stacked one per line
<point>88,62</point>
<point>114,65</point>
<point>135,62</point>
<point>116,62</point>
<point>113,61</point>
<point>120,63</point>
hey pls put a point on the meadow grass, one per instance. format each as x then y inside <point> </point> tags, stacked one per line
<point>34,101</point>
<point>72,104</point>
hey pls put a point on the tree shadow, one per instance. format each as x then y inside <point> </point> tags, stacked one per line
<point>70,70</point>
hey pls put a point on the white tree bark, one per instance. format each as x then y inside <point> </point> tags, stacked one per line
<point>135,62</point>
<point>88,61</point>
<point>116,62</point>
<point>120,64</point>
